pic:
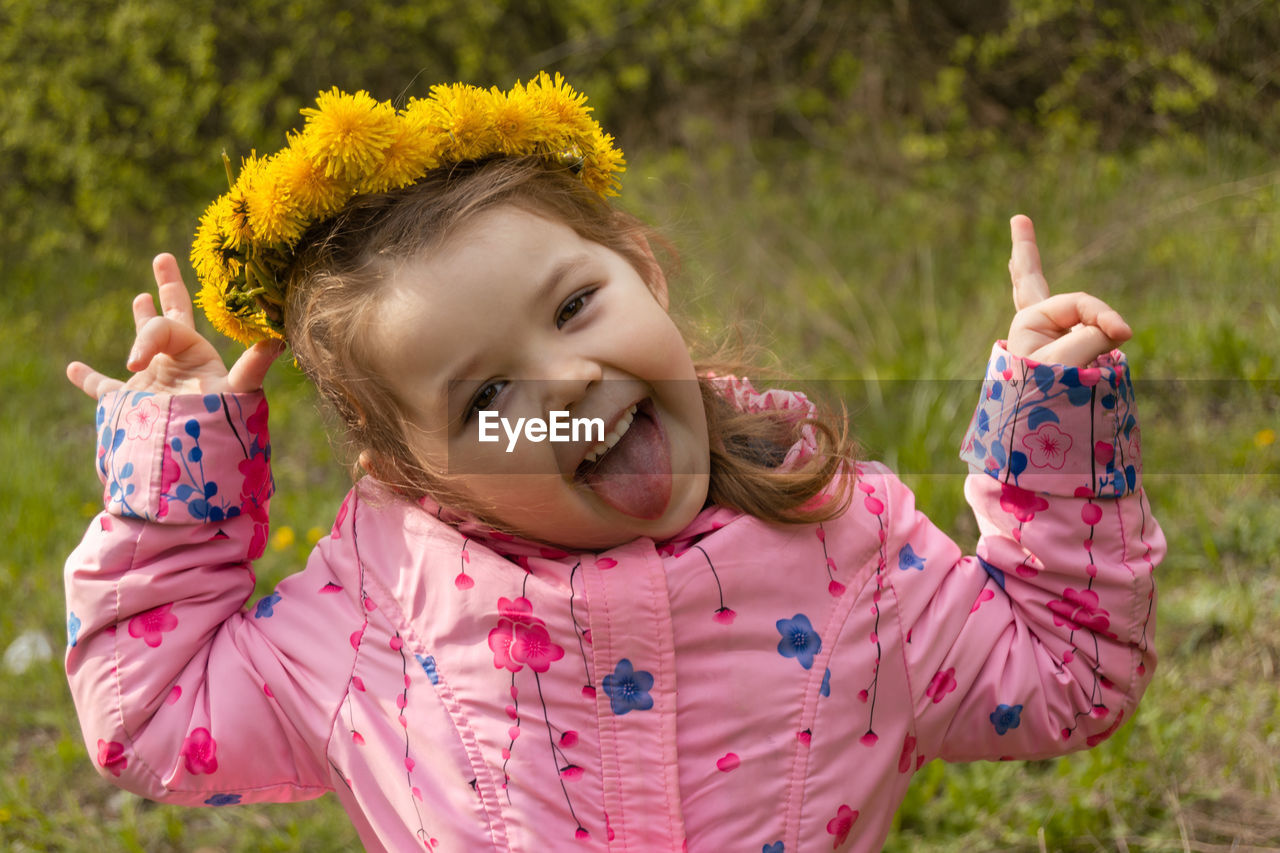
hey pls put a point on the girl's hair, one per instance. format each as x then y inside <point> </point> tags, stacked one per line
<point>334,288</point>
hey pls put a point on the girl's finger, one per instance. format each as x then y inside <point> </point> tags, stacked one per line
<point>1060,313</point>
<point>144,308</point>
<point>1078,347</point>
<point>251,368</point>
<point>91,381</point>
<point>161,335</point>
<point>1029,285</point>
<point>175,302</point>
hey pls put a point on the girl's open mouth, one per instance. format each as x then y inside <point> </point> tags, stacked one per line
<point>631,469</point>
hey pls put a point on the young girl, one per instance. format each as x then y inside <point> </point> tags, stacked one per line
<point>702,626</point>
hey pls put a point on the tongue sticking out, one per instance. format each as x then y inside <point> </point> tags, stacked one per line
<point>634,477</point>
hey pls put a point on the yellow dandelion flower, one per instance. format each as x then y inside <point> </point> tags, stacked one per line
<point>233,214</point>
<point>274,215</point>
<point>207,250</point>
<point>603,164</point>
<point>412,152</point>
<point>462,113</point>
<point>247,329</point>
<point>565,107</point>
<point>518,123</point>
<point>347,134</point>
<point>316,194</point>
<point>283,538</point>
<point>1265,437</point>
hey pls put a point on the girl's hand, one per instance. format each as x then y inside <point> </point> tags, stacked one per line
<point>1070,328</point>
<point>169,356</point>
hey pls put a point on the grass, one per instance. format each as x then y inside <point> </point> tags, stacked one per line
<point>894,285</point>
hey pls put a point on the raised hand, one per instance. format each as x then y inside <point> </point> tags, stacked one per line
<point>169,356</point>
<point>1069,328</point>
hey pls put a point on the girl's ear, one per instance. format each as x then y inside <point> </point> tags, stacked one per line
<point>652,273</point>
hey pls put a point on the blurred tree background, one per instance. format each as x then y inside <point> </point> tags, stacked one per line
<point>114,113</point>
<point>839,172</point>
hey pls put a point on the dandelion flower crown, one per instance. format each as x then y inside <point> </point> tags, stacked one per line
<point>353,145</point>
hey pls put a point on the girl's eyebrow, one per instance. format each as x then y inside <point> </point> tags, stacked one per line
<point>558,273</point>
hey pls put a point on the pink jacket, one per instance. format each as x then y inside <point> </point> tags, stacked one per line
<point>743,686</point>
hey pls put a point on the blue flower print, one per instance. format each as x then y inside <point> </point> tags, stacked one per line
<point>628,688</point>
<point>775,847</point>
<point>1006,717</point>
<point>908,559</point>
<point>73,629</point>
<point>223,800</point>
<point>428,664</point>
<point>825,689</point>
<point>266,607</point>
<point>799,640</point>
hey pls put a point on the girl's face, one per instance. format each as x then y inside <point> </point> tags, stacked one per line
<point>517,316</point>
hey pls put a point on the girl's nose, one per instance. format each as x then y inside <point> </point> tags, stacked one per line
<point>568,380</point>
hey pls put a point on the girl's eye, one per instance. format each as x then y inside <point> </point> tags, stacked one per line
<point>571,308</point>
<point>484,399</point>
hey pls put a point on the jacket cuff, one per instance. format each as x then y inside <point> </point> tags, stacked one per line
<point>1056,429</point>
<point>186,458</point>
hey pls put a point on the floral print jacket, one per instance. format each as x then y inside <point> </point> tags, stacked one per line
<point>744,686</point>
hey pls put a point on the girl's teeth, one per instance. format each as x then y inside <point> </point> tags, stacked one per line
<point>619,429</point>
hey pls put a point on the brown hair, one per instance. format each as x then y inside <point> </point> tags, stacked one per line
<point>333,285</point>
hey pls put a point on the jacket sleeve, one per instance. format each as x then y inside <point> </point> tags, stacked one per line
<point>182,695</point>
<point>1041,643</point>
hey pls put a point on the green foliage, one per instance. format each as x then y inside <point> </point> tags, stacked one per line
<point>115,113</point>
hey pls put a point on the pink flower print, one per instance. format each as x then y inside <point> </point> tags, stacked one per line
<point>258,541</point>
<point>257,422</point>
<point>1021,503</point>
<point>1079,609</point>
<point>111,756</point>
<point>1103,452</point>
<point>532,644</point>
<point>985,595</point>
<point>1048,446</point>
<point>518,610</point>
<point>152,624</point>
<point>170,473</point>
<point>1094,740</point>
<point>200,751</point>
<point>513,648</point>
<point>944,681</point>
<point>256,487</point>
<point>841,825</point>
<point>908,748</point>
<point>724,615</point>
<point>142,419</point>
